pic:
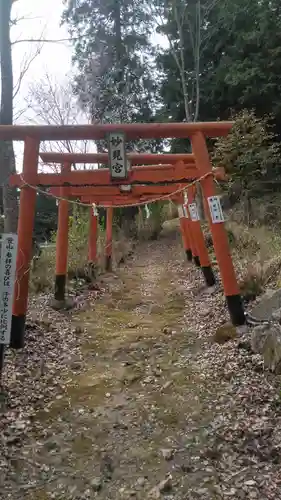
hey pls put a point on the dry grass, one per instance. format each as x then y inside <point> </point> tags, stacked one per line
<point>257,258</point>
<point>255,252</point>
<point>256,255</point>
<point>42,274</point>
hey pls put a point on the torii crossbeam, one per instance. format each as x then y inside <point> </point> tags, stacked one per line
<point>103,158</point>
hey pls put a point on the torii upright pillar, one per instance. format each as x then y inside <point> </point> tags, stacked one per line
<point>219,235</point>
<point>108,247</point>
<point>24,253</point>
<point>62,243</point>
<point>93,239</point>
<point>184,233</point>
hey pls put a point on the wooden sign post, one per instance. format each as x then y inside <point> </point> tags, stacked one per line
<point>7,283</point>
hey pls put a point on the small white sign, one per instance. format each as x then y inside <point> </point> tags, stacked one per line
<point>180,211</point>
<point>117,156</point>
<point>7,282</point>
<point>215,209</point>
<point>194,214</point>
<point>147,211</point>
<point>95,210</point>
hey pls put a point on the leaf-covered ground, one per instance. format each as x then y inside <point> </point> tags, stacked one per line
<point>129,397</point>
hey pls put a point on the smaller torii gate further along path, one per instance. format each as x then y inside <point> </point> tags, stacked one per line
<point>30,179</point>
<point>156,180</point>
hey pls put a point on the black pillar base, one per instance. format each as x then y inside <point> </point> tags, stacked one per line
<point>17,332</point>
<point>209,276</point>
<point>60,282</point>
<point>188,254</point>
<point>196,261</point>
<point>236,310</point>
<point>108,263</point>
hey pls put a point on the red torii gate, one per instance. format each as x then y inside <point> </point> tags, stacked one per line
<point>90,194</point>
<point>109,197</point>
<point>101,177</point>
<point>32,135</point>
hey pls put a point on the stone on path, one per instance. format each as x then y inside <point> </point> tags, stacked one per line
<point>266,340</point>
<point>267,305</point>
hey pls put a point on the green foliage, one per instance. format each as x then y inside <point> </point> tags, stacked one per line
<point>42,276</point>
<point>249,153</point>
<point>45,217</point>
<point>123,77</point>
<point>240,59</point>
<point>78,239</point>
<point>243,58</point>
<point>125,219</point>
<point>111,49</point>
<point>43,273</point>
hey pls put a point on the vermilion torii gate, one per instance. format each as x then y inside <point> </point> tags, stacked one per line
<point>32,135</point>
<point>159,181</point>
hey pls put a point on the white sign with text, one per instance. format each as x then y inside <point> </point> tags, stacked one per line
<point>9,243</point>
<point>193,211</point>
<point>215,209</point>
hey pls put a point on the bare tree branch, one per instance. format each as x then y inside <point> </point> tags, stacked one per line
<point>54,103</point>
<point>24,69</point>
<point>188,17</point>
<point>46,40</point>
<point>16,20</point>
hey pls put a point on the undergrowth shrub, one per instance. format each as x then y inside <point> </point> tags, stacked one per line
<point>252,283</point>
<point>209,240</point>
<point>257,275</point>
<point>42,274</point>
<point>241,239</point>
<point>256,256</point>
<point>78,241</point>
<point>250,153</point>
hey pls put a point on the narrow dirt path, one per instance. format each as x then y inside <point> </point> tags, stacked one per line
<point>157,411</point>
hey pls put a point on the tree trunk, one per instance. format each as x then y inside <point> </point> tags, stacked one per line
<point>7,156</point>
<point>10,194</point>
